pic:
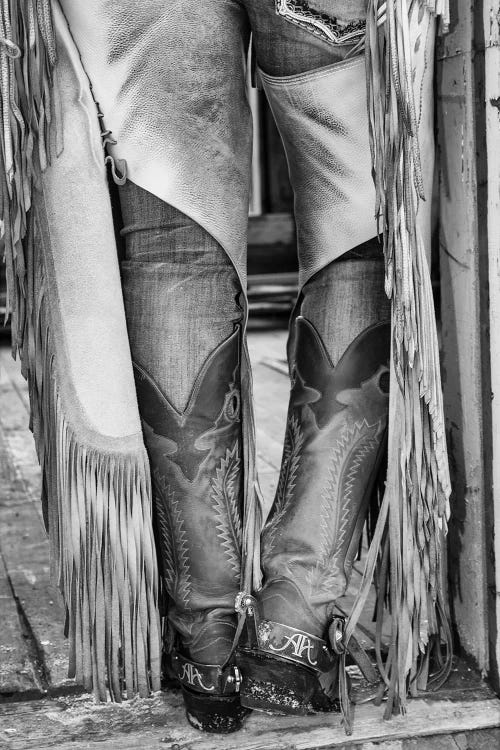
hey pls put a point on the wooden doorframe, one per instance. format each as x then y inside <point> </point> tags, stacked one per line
<point>468,127</point>
<point>491,103</point>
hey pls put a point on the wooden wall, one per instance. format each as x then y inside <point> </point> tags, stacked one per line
<point>491,121</point>
<point>470,296</point>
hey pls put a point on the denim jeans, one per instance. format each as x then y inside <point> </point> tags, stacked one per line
<point>182,295</point>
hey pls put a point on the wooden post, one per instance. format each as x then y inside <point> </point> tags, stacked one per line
<point>491,103</point>
<point>463,313</point>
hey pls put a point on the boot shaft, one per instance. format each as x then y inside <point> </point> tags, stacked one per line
<point>334,444</point>
<point>195,458</point>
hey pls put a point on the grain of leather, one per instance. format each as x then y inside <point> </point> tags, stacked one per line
<point>170,81</point>
<point>322,119</point>
<point>82,270</point>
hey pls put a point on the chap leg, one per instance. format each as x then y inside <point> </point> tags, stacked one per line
<point>338,351</point>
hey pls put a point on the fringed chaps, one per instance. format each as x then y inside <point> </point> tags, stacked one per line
<point>97,491</point>
<point>96,485</point>
<point>407,541</point>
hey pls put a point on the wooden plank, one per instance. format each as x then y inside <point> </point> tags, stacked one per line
<point>159,722</point>
<point>271,390</point>
<point>269,450</point>
<point>14,421</point>
<point>491,29</point>
<point>268,345</point>
<point>268,351</point>
<point>23,541</point>
<point>461,286</point>
<point>17,671</point>
<point>12,370</point>
<point>268,480</point>
<point>25,550</point>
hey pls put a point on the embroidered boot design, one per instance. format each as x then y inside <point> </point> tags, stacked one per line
<point>172,539</point>
<point>196,467</point>
<point>226,501</point>
<point>341,431</point>
<point>290,464</point>
<point>335,442</point>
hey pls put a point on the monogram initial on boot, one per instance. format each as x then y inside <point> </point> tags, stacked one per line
<point>196,467</point>
<point>334,445</point>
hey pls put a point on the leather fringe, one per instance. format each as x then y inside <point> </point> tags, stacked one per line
<point>406,544</point>
<point>98,512</point>
<point>27,59</point>
<point>97,504</point>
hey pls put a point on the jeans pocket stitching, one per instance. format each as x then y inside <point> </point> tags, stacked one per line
<point>325,27</point>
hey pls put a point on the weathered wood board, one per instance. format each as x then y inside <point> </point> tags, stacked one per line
<point>463,299</point>
<point>24,547</point>
<point>14,419</point>
<point>159,722</point>
<point>271,389</point>
<point>491,25</point>
<point>17,671</point>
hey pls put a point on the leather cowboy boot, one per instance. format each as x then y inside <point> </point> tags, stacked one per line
<point>196,468</point>
<point>334,446</point>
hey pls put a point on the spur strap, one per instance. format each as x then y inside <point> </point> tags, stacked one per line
<point>294,645</point>
<point>300,647</point>
<point>210,679</point>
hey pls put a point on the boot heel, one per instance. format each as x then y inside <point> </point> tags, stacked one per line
<point>217,714</point>
<point>276,685</point>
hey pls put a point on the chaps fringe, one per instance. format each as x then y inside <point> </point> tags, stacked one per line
<point>406,544</point>
<point>98,512</point>
<point>97,504</point>
<point>27,58</point>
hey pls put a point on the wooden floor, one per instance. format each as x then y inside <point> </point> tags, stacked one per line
<point>41,708</point>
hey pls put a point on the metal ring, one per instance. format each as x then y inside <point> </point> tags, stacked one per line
<point>336,635</point>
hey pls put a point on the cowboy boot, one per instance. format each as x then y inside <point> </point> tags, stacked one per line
<point>334,446</point>
<point>196,469</point>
